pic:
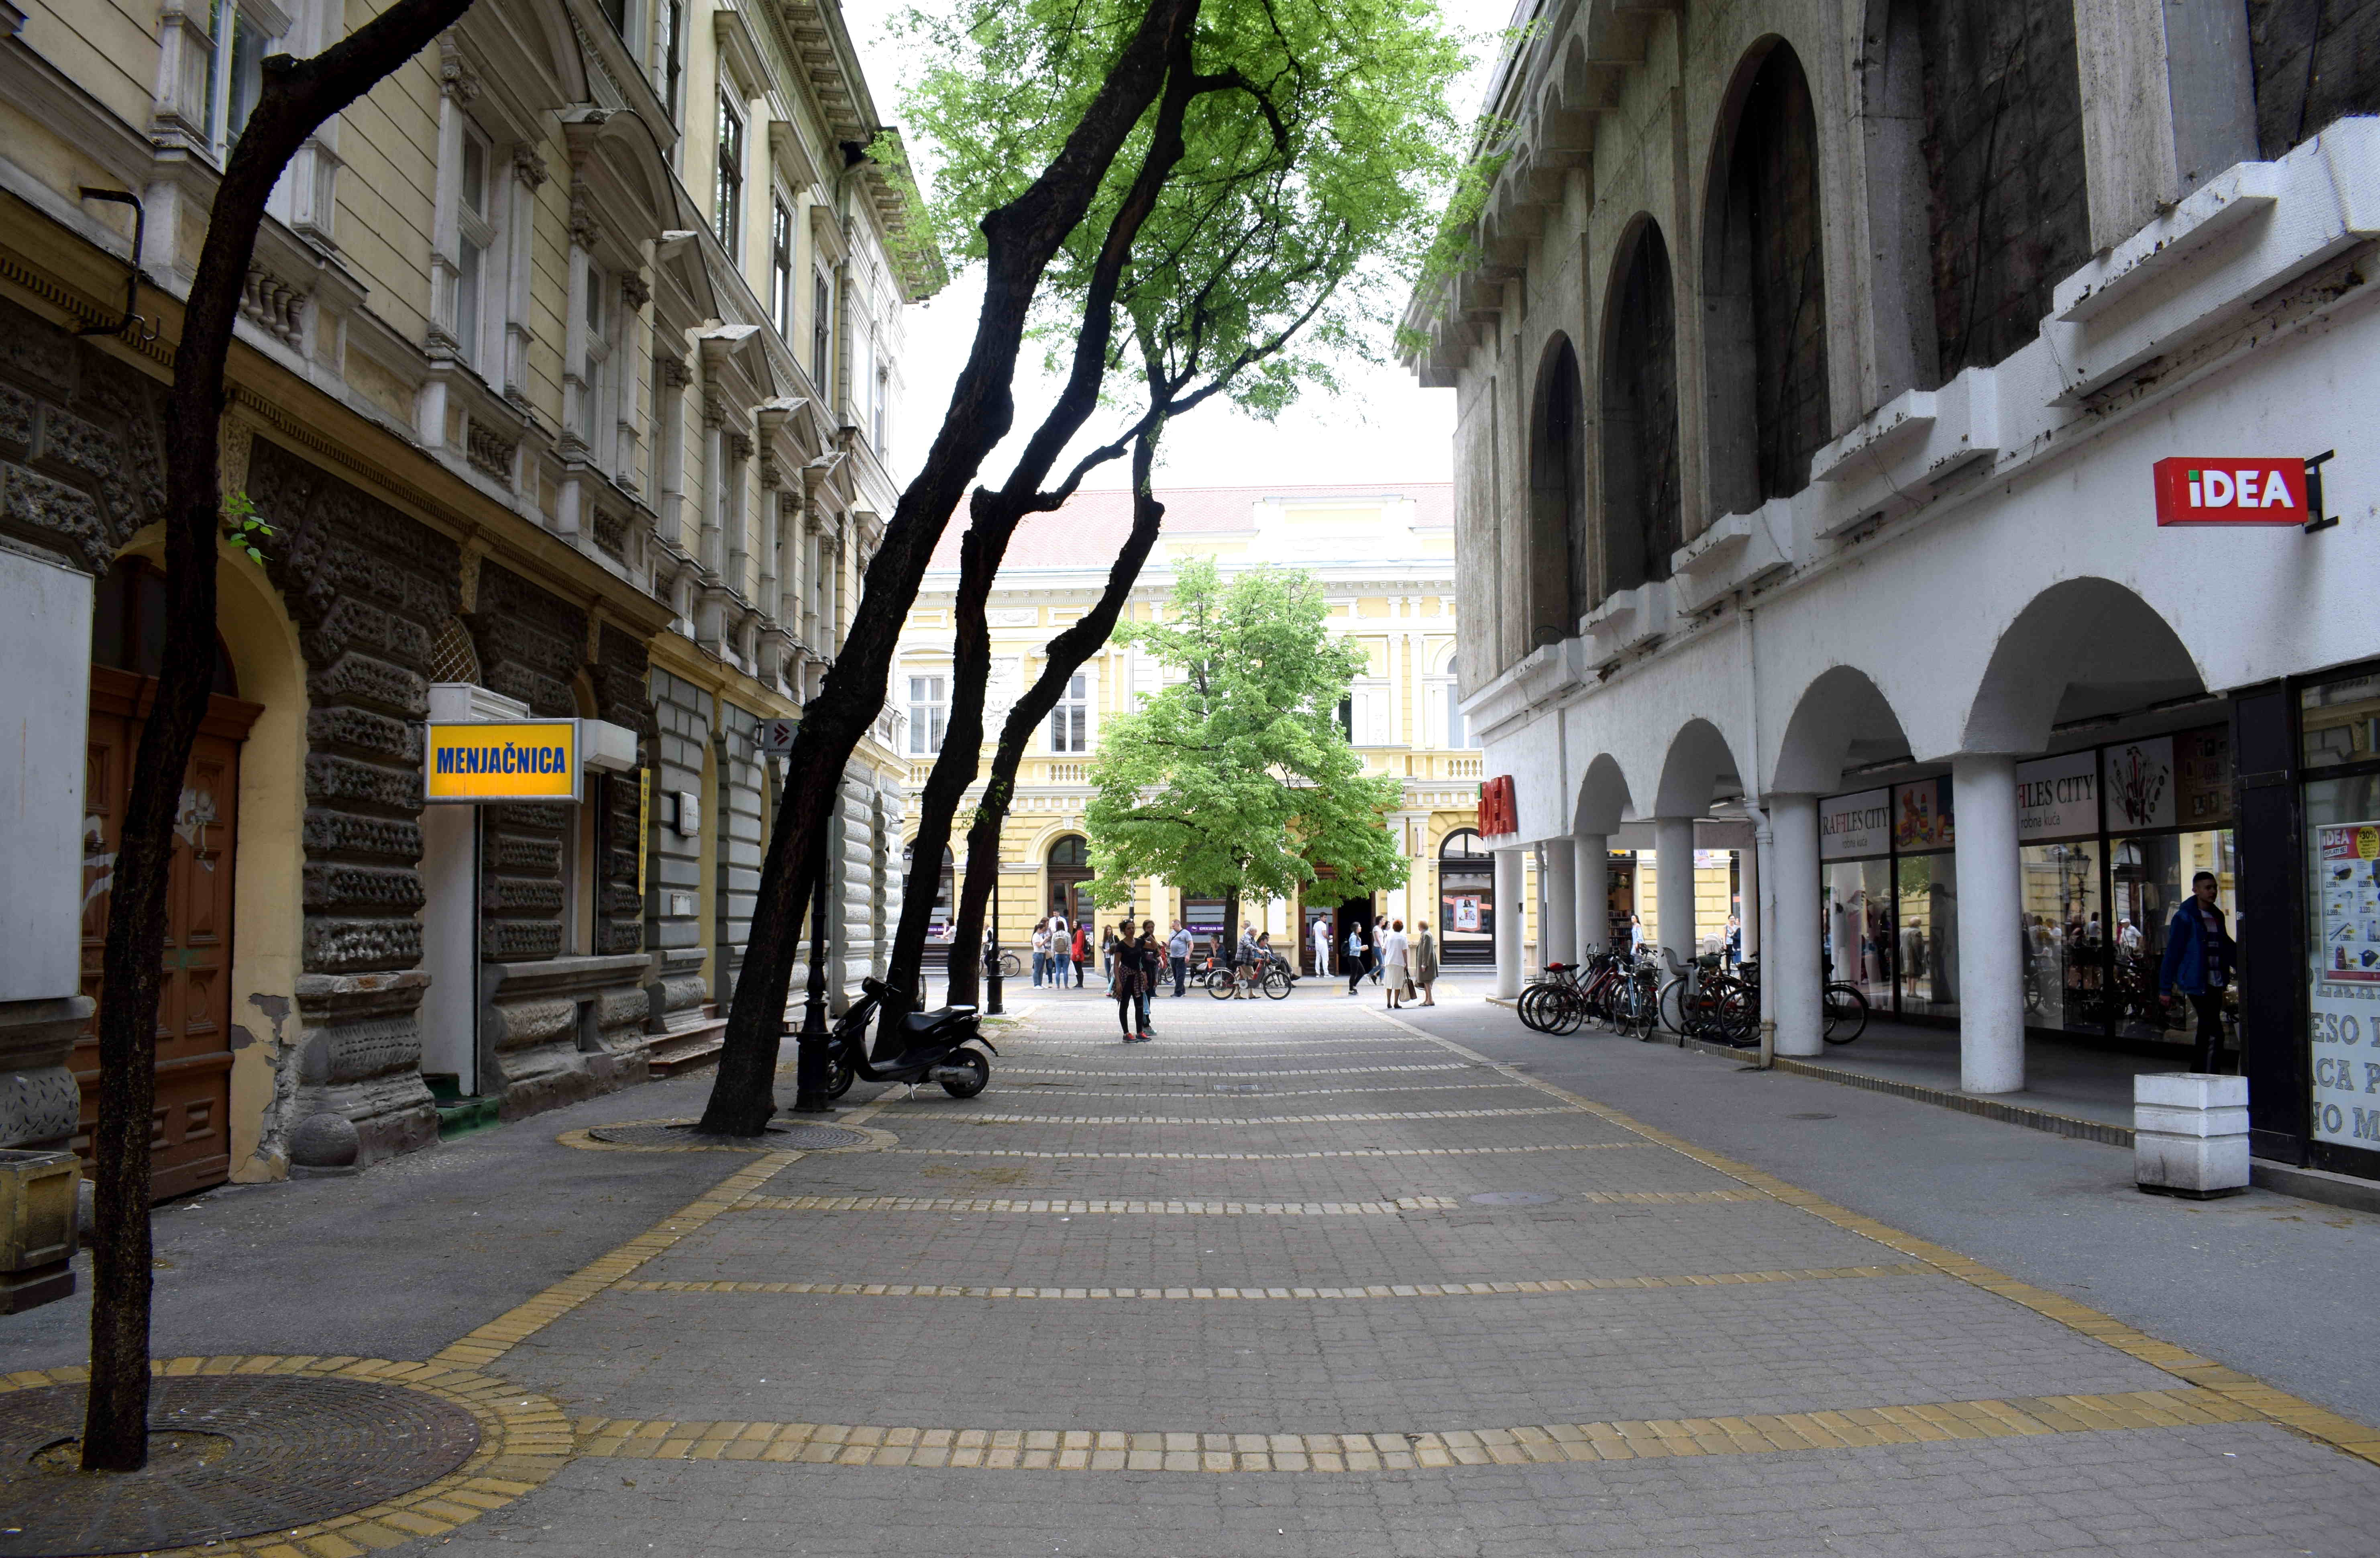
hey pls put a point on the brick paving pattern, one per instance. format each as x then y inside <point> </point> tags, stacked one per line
<point>1111,1308</point>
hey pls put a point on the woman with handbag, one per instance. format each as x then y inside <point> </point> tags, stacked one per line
<point>1425,962</point>
<point>1123,982</point>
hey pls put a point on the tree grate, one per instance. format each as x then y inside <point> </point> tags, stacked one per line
<point>231,1455</point>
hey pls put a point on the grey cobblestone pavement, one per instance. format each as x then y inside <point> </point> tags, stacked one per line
<point>1107,1309</point>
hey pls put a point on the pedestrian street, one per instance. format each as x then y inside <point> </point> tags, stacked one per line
<point>1297,1278</point>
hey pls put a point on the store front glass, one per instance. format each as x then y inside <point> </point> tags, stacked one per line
<point>2149,879</point>
<point>2338,726</point>
<point>1926,874</point>
<point>2063,935</point>
<point>1857,892</point>
<point>1466,891</point>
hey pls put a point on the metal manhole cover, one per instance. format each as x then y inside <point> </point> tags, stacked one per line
<point>1513,1198</point>
<point>779,1136</point>
<point>231,1455</point>
<point>1809,1116</point>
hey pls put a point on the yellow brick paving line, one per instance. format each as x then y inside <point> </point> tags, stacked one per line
<point>1310,1071</point>
<point>2262,1400</point>
<point>507,1330</point>
<point>942,1111</point>
<point>524,1439</point>
<point>1157,1207</point>
<point>1116,1449</point>
<point>1189,1095</point>
<point>1372,1290</point>
<point>1269,1157</point>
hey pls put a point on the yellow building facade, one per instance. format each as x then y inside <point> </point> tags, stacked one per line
<point>1384,556</point>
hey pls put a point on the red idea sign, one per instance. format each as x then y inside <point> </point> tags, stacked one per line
<point>1500,810</point>
<point>2198,491</point>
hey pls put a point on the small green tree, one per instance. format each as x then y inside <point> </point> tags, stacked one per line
<point>1236,781</point>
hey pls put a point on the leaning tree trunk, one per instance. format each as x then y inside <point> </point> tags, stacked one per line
<point>1020,239</point>
<point>1066,653</point>
<point>992,525</point>
<point>298,96</point>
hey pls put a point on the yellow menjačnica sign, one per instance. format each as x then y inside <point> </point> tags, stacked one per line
<point>530,760</point>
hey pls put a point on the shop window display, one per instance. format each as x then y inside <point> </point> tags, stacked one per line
<point>1929,935</point>
<point>2149,879</point>
<point>2340,728</point>
<point>2064,936</point>
<point>1859,927</point>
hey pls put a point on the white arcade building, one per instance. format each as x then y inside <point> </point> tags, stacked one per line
<point>1815,364</point>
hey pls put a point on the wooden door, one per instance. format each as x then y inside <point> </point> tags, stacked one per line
<point>190,1139</point>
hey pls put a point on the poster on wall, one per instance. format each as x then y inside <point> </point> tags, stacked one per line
<point>2202,777</point>
<point>1921,815</point>
<point>1852,826</point>
<point>2344,1011</point>
<point>2058,797</point>
<point>1464,912</point>
<point>2137,779</point>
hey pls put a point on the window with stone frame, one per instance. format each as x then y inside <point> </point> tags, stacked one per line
<point>596,414</point>
<point>781,266</point>
<point>243,33</point>
<point>671,38</point>
<point>1070,722</point>
<point>727,216</point>
<point>821,329</point>
<point>929,713</point>
<point>479,272</point>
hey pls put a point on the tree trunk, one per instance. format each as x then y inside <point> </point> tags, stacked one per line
<point>1066,653</point>
<point>1021,238</point>
<point>1232,927</point>
<point>994,524</point>
<point>298,96</point>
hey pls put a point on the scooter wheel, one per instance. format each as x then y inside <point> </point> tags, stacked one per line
<point>839,1077</point>
<point>979,1074</point>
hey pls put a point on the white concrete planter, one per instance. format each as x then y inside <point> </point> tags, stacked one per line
<point>2190,1133</point>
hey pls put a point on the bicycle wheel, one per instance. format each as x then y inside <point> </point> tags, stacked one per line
<point>1276,983</point>
<point>1011,966</point>
<point>1738,1023</point>
<point>1569,1010</point>
<point>1221,985</point>
<point>1846,1013</point>
<point>1530,1007</point>
<point>1673,1004</point>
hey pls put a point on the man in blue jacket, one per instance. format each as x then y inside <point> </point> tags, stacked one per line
<point>2198,957</point>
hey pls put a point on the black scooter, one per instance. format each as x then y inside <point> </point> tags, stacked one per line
<point>925,1047</point>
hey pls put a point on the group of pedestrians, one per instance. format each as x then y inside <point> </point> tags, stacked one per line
<point>1059,952</point>
<point>1135,961</point>
<point>1399,963</point>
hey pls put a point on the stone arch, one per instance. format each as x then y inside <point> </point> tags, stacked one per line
<point>1560,559</point>
<point>2081,649</point>
<point>1971,120</point>
<point>1764,287</point>
<point>1641,490</point>
<point>1699,769</point>
<point>1841,721</point>
<point>1603,798</point>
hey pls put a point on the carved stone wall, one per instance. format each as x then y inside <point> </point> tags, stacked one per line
<point>565,1003</point>
<point>81,468</point>
<point>368,587</point>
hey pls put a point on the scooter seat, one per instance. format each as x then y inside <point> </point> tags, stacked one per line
<point>926,1022</point>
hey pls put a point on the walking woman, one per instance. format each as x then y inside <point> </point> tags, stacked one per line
<point>1153,959</point>
<point>1041,952</point>
<point>1425,962</point>
<point>1123,968</point>
<point>1393,949</point>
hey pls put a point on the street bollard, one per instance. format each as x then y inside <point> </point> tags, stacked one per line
<point>991,1007</point>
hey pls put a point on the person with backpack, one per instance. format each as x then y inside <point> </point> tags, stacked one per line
<point>1082,952</point>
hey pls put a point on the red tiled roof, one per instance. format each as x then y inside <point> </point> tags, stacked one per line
<point>1090,528</point>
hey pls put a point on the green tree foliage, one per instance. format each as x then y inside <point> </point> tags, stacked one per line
<point>1236,781</point>
<point>1250,240</point>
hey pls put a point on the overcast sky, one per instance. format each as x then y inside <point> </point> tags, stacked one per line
<point>1384,428</point>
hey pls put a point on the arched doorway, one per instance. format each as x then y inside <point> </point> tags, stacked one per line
<point>1069,879</point>
<point>191,1145</point>
<point>1466,899</point>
